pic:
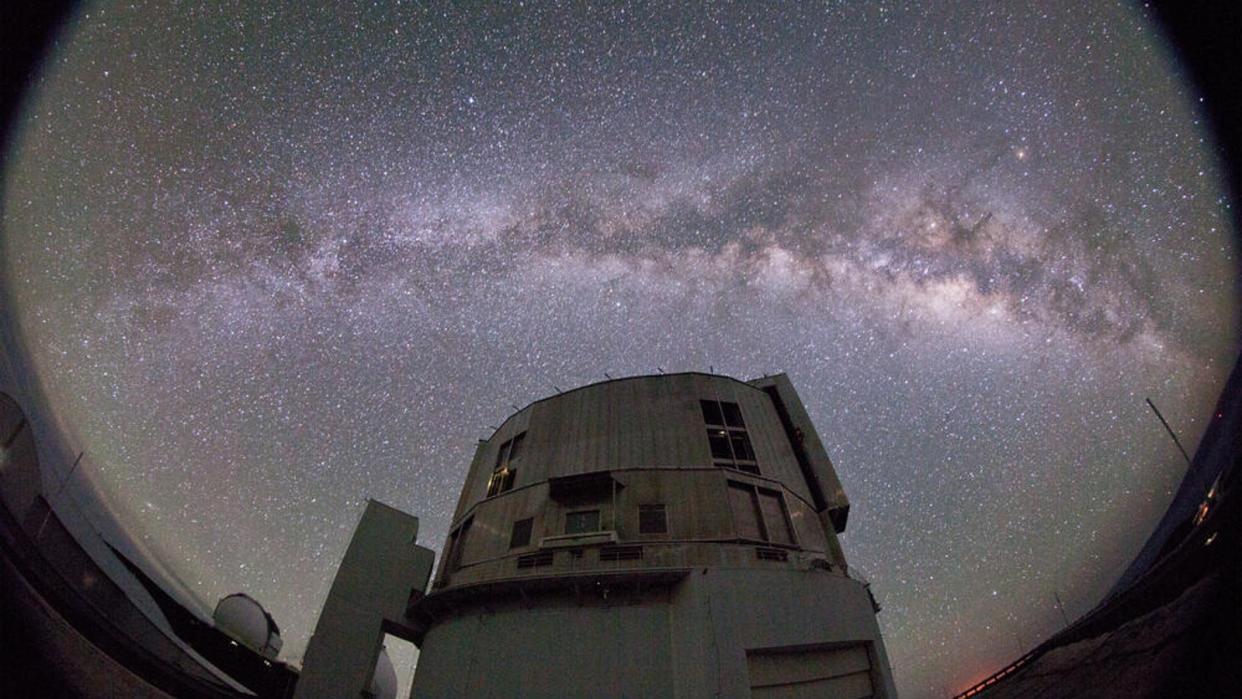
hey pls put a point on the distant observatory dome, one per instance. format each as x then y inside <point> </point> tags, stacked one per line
<point>246,620</point>
<point>384,682</point>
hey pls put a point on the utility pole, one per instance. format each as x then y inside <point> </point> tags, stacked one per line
<point>1170,430</point>
<point>1061,607</point>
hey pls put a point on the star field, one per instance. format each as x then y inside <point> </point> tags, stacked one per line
<point>271,261</point>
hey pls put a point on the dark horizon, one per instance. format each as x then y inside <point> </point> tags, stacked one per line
<point>277,285</point>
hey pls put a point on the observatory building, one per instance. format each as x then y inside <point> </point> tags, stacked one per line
<point>246,621</point>
<point>670,536</point>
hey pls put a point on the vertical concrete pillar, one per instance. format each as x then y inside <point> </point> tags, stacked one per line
<point>382,566</point>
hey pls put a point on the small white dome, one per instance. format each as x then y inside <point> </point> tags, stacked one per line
<point>248,623</point>
<point>384,682</point>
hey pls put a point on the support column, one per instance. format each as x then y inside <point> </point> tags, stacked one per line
<point>382,566</point>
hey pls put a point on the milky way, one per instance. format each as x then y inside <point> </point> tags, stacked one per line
<point>269,262</point>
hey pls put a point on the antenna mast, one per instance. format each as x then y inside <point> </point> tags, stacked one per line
<point>1164,422</point>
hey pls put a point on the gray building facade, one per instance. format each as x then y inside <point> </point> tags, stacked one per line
<point>654,536</point>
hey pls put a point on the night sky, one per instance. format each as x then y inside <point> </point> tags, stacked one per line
<point>272,261</point>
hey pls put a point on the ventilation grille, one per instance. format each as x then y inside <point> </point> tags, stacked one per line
<point>765,553</point>
<point>621,553</point>
<point>535,560</point>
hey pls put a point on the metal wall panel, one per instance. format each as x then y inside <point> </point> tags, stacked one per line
<point>650,433</point>
<point>825,673</point>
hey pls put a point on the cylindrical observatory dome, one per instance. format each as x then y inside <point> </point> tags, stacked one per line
<point>671,535</point>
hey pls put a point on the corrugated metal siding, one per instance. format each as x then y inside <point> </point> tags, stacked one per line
<point>636,423</point>
<point>647,423</point>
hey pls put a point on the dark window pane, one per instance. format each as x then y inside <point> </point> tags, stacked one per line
<point>732,415</point>
<point>502,455</point>
<point>711,412</point>
<point>776,517</point>
<point>459,544</point>
<point>741,446</point>
<point>652,520</point>
<point>746,512</point>
<point>506,482</point>
<point>521,533</point>
<point>582,522</point>
<point>515,449</point>
<point>719,440</point>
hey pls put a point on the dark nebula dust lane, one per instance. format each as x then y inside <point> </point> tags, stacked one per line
<point>271,261</point>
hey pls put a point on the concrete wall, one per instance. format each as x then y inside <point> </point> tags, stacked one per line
<point>554,651</point>
<point>689,642</point>
<point>369,595</point>
<point>718,615</point>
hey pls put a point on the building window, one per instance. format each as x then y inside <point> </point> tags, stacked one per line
<point>760,514</point>
<point>521,533</point>
<point>652,519</point>
<point>457,544</point>
<point>582,522</point>
<point>505,470</point>
<point>726,435</point>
